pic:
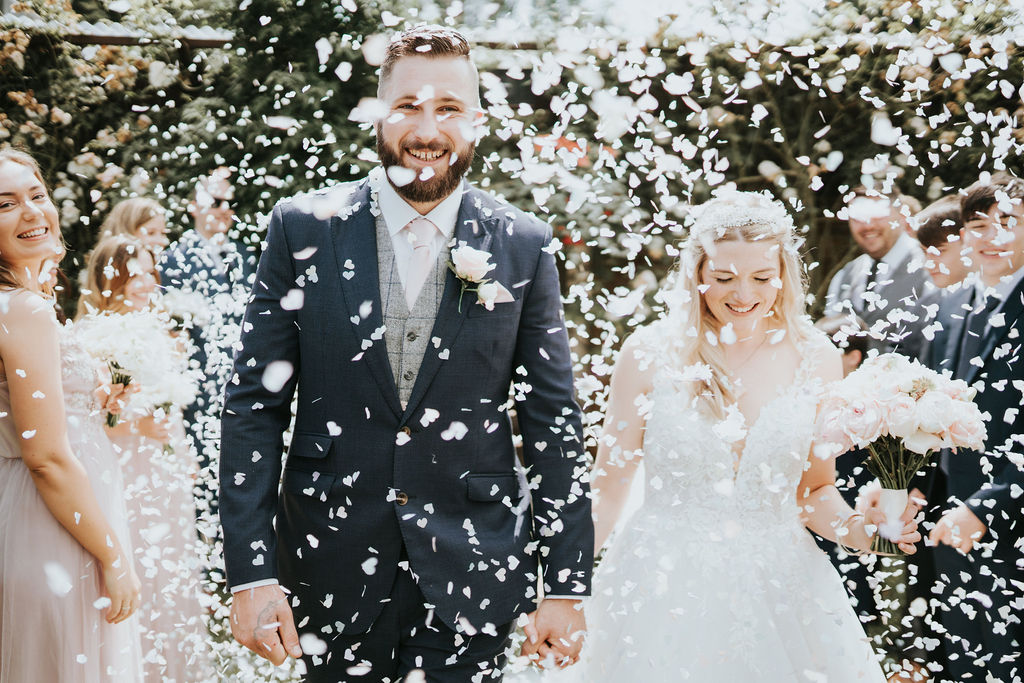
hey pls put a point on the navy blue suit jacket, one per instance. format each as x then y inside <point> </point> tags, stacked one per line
<point>986,482</point>
<point>363,476</point>
<point>991,484</point>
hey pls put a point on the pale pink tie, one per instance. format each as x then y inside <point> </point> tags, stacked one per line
<point>420,232</point>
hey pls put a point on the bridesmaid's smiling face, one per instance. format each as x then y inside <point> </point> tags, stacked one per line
<point>140,286</point>
<point>740,282</point>
<point>29,229</point>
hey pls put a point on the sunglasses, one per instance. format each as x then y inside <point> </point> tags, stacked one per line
<point>222,203</point>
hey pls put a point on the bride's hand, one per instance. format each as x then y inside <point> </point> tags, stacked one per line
<point>868,504</point>
<point>122,587</point>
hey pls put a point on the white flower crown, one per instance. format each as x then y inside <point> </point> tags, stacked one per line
<point>730,209</point>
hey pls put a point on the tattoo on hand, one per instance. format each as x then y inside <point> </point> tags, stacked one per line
<point>266,617</point>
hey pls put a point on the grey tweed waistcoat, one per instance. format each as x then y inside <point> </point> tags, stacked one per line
<point>407,333</point>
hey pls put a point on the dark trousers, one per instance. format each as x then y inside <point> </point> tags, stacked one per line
<point>407,637</point>
<point>981,611</point>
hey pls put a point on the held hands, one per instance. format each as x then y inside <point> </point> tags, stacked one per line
<point>261,620</point>
<point>958,528</point>
<point>869,505</point>
<point>122,587</point>
<point>555,632</point>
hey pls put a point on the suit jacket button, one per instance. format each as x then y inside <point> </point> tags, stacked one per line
<point>401,497</point>
<point>406,430</point>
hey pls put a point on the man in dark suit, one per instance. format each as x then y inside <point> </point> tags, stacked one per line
<point>208,274</point>
<point>883,285</point>
<point>979,561</point>
<point>404,533</point>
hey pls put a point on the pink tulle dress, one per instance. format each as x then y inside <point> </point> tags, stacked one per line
<point>50,630</point>
<point>162,523</point>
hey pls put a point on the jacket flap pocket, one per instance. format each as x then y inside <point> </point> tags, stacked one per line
<point>499,311</point>
<point>492,487</point>
<point>313,484</point>
<point>305,445</point>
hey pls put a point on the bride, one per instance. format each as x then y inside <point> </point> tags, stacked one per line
<point>715,577</point>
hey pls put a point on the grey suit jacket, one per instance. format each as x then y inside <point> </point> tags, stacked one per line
<point>892,308</point>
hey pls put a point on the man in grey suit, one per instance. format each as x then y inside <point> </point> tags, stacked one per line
<point>884,285</point>
<point>411,311</point>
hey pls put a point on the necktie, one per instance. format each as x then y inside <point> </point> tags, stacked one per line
<point>420,232</point>
<point>872,275</point>
<point>974,329</point>
<point>865,304</point>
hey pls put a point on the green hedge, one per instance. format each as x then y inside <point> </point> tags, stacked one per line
<point>609,141</point>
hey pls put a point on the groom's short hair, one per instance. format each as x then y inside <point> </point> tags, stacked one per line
<point>427,40</point>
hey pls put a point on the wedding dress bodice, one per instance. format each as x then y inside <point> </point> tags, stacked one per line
<point>690,456</point>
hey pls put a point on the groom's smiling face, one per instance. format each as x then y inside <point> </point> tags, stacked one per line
<point>433,112</point>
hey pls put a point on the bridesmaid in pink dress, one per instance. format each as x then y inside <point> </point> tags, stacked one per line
<point>158,472</point>
<point>67,583</point>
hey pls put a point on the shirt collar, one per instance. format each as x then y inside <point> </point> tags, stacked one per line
<point>398,213</point>
<point>902,248</point>
<point>1000,291</point>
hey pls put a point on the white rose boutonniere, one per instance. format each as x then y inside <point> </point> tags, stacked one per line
<point>471,266</point>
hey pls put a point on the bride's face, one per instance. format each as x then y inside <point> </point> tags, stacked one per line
<point>740,282</point>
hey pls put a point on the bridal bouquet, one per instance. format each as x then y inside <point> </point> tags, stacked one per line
<point>902,412</point>
<point>138,346</point>
<point>187,308</point>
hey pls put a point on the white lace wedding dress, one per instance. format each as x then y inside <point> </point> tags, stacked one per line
<point>715,579</point>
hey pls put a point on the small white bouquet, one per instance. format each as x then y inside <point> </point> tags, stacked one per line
<point>187,308</point>
<point>902,412</point>
<point>139,347</point>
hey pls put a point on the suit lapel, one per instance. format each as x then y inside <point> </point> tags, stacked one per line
<point>953,327</point>
<point>355,249</point>
<point>1011,310</point>
<point>476,232</point>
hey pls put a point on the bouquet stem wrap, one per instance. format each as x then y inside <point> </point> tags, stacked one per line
<point>894,466</point>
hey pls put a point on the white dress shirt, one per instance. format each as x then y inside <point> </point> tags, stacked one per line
<point>1001,291</point>
<point>398,213</point>
<point>904,246</point>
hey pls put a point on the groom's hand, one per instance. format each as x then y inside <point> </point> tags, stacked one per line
<point>556,630</point>
<point>958,528</point>
<point>262,621</point>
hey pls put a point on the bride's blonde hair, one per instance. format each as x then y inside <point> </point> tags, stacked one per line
<point>743,217</point>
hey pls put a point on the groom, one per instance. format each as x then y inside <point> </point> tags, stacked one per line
<point>400,538</point>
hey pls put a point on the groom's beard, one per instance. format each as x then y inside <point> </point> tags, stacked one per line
<point>433,189</point>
